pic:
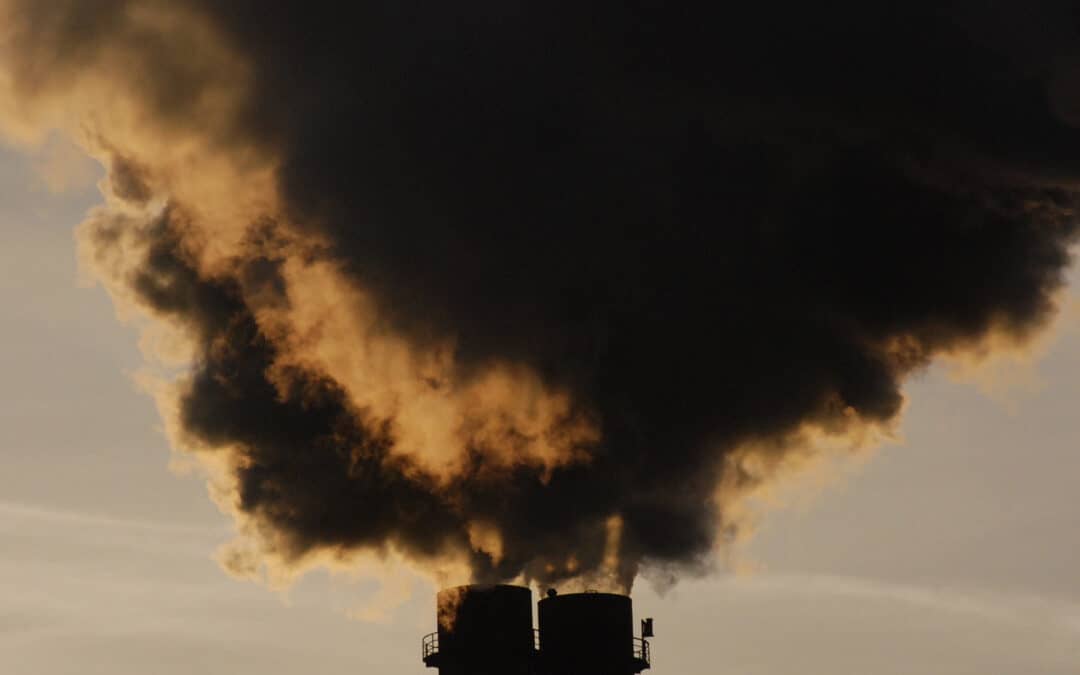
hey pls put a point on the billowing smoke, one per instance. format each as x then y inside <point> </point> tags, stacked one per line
<point>541,289</point>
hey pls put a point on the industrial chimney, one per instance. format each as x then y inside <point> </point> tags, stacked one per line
<point>487,630</point>
<point>483,630</point>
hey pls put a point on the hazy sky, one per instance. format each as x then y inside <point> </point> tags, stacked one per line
<point>954,552</point>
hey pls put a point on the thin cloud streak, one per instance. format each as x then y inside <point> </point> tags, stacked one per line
<point>1026,609</point>
<point>32,512</point>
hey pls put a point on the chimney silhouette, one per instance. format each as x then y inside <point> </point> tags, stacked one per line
<point>487,630</point>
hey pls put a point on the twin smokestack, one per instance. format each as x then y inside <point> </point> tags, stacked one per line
<point>488,630</point>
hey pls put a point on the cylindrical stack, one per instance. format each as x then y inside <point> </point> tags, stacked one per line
<point>483,630</point>
<point>588,634</point>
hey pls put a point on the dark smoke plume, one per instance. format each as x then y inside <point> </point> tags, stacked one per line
<point>680,231</point>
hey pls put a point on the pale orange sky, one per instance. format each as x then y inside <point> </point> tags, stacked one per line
<point>954,553</point>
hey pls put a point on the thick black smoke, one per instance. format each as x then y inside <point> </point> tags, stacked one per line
<point>711,226</point>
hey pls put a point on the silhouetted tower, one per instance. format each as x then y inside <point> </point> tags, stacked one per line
<point>487,630</point>
<point>590,634</point>
<point>483,630</point>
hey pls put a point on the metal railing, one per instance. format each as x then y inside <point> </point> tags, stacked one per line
<point>641,651</point>
<point>430,646</point>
